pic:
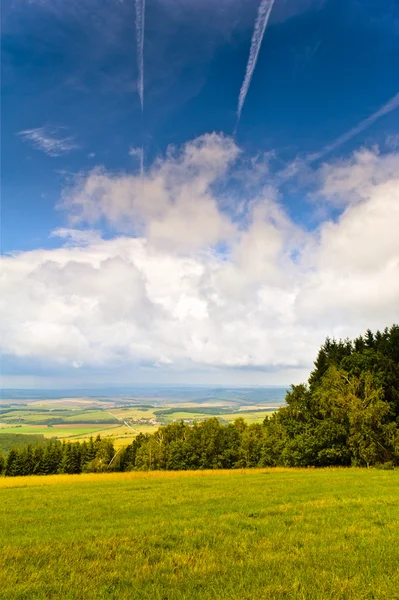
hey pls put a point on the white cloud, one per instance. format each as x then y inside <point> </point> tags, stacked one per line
<point>172,205</point>
<point>169,298</point>
<point>77,237</point>
<point>48,140</point>
<point>358,177</point>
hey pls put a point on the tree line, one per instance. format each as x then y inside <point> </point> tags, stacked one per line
<point>52,456</point>
<point>346,414</point>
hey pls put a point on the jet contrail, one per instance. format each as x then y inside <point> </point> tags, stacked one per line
<point>140,11</point>
<point>384,110</point>
<point>142,162</point>
<point>139,154</point>
<point>264,10</point>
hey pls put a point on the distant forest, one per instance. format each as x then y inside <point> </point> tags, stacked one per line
<point>346,414</point>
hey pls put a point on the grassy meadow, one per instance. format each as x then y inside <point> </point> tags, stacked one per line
<point>309,534</point>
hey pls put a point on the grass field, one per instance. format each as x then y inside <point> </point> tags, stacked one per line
<point>252,416</point>
<point>59,431</point>
<point>133,413</point>
<point>261,534</point>
<point>179,415</point>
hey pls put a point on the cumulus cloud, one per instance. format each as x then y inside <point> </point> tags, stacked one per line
<point>173,295</point>
<point>354,179</point>
<point>172,206</point>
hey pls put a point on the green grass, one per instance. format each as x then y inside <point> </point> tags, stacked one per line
<point>58,431</point>
<point>302,534</point>
<point>251,416</point>
<point>182,415</point>
<point>68,416</point>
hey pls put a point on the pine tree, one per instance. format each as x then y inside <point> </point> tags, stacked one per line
<point>13,466</point>
<point>67,465</point>
<point>38,460</point>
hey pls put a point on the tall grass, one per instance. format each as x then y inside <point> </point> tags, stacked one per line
<point>35,480</point>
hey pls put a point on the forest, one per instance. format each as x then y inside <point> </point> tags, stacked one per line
<point>347,414</point>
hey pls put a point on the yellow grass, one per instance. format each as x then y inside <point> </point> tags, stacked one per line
<point>44,480</point>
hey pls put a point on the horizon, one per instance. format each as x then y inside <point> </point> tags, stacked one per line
<point>149,385</point>
<point>195,191</point>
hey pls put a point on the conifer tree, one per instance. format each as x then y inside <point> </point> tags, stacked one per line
<point>12,467</point>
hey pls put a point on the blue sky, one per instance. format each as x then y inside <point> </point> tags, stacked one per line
<point>70,104</point>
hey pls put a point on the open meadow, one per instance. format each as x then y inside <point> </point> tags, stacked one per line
<point>265,533</point>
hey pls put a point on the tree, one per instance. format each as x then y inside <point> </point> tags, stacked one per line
<point>13,465</point>
<point>349,412</point>
<point>149,455</point>
<point>38,452</point>
<point>128,455</point>
<point>274,441</point>
<point>26,456</point>
<point>370,432</point>
<point>105,452</point>
<point>250,449</point>
<point>52,458</point>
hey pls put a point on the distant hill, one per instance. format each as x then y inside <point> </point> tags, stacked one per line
<point>243,395</point>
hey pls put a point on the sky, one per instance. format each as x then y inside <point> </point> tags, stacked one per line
<point>195,191</point>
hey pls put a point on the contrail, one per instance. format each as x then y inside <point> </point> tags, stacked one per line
<point>384,110</point>
<point>142,162</point>
<point>138,153</point>
<point>264,10</point>
<point>140,12</point>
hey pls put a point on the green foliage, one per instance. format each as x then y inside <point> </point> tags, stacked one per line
<point>375,353</point>
<point>10,440</point>
<point>52,457</point>
<point>349,411</point>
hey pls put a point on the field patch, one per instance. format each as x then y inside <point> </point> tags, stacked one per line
<point>251,416</point>
<point>134,413</point>
<point>91,416</point>
<point>57,431</point>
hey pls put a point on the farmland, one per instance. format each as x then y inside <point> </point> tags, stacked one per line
<point>262,533</point>
<point>122,419</point>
